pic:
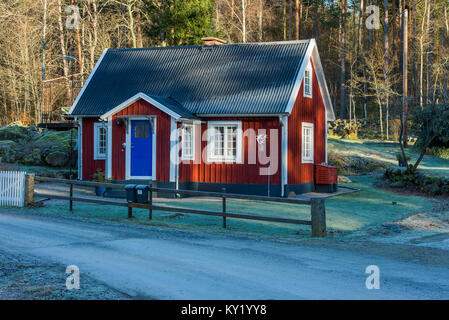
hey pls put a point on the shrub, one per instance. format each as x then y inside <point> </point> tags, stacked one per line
<point>440,152</point>
<point>414,180</point>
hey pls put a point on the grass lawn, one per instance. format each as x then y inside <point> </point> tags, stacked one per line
<point>386,152</point>
<point>350,212</point>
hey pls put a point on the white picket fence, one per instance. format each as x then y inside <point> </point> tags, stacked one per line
<point>12,188</point>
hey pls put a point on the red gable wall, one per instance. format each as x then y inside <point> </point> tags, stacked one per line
<point>306,110</point>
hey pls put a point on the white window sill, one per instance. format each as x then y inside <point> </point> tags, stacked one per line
<point>99,157</point>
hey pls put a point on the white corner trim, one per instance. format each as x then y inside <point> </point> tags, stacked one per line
<point>307,125</point>
<point>137,97</point>
<point>173,148</point>
<point>80,149</point>
<point>88,81</point>
<point>283,120</point>
<point>109,147</point>
<point>210,143</point>
<point>326,128</point>
<point>312,53</point>
<point>97,156</point>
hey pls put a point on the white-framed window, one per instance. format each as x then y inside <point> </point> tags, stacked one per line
<point>307,143</point>
<point>100,141</point>
<point>188,142</point>
<point>224,141</point>
<point>308,81</point>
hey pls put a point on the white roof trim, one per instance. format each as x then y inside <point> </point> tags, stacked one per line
<point>87,81</point>
<point>312,53</point>
<point>137,97</point>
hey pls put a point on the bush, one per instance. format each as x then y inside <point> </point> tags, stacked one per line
<point>414,180</point>
<point>440,152</point>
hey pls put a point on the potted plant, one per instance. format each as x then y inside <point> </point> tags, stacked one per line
<point>402,162</point>
<point>99,176</point>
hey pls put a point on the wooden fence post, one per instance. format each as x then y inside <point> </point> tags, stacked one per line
<point>150,202</point>
<point>130,211</point>
<point>224,208</point>
<point>29,189</point>
<point>318,212</point>
<point>71,197</point>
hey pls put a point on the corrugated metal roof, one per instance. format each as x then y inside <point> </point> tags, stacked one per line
<point>173,105</point>
<point>255,78</point>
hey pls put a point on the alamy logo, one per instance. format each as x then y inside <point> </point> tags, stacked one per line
<point>74,19</point>
<point>373,280</point>
<point>373,20</point>
<point>73,280</point>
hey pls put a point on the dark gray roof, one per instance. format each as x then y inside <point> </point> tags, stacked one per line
<point>255,78</point>
<point>173,105</point>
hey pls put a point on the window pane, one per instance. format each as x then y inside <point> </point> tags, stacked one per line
<point>218,141</point>
<point>102,134</point>
<point>187,147</point>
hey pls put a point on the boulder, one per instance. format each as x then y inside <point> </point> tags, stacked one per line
<point>8,151</point>
<point>33,158</point>
<point>344,179</point>
<point>57,158</point>
<point>14,133</point>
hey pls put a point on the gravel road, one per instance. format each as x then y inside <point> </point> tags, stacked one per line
<point>165,263</point>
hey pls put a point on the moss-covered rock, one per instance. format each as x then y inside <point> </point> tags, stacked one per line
<point>56,140</point>
<point>57,158</point>
<point>14,133</point>
<point>8,151</point>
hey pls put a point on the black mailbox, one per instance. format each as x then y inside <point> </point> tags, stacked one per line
<point>131,193</point>
<point>142,194</point>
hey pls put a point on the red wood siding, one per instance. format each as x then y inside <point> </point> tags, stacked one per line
<point>89,165</point>
<point>306,110</point>
<point>163,123</point>
<point>234,172</point>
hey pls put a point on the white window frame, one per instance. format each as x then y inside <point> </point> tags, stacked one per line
<point>97,154</point>
<point>185,156</point>
<point>211,143</point>
<point>305,159</point>
<point>308,75</point>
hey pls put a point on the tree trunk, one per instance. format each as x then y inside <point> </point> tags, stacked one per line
<point>430,83</point>
<point>444,32</point>
<point>386,64</point>
<point>260,20</point>
<point>315,23</point>
<point>298,11</point>
<point>63,48</point>
<point>421,53</point>
<point>342,59</point>
<point>243,21</point>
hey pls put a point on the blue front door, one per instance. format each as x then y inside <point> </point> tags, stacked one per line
<point>141,148</point>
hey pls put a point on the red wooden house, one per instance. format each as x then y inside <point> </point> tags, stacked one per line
<point>248,117</point>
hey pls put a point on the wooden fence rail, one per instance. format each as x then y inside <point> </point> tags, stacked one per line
<point>317,205</point>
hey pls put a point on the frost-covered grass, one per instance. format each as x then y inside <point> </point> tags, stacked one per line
<point>350,212</point>
<point>386,152</point>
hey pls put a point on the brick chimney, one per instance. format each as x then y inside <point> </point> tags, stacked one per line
<point>210,41</point>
